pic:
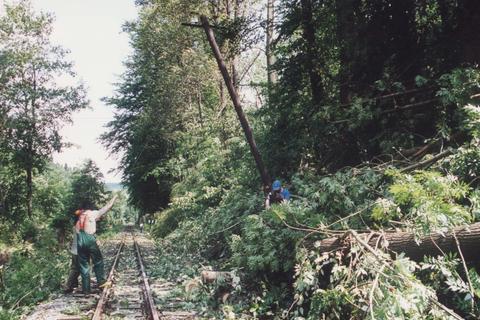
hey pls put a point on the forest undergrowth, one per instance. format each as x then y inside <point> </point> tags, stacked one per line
<point>216,221</point>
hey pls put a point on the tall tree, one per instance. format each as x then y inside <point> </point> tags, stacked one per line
<point>161,95</point>
<point>311,50</point>
<point>88,188</point>
<point>269,45</point>
<point>36,102</point>
<point>170,88</point>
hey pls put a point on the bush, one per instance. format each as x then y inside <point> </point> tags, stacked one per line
<point>31,275</point>
<point>165,222</point>
<point>424,201</point>
<point>29,231</point>
<point>264,246</point>
<point>465,164</point>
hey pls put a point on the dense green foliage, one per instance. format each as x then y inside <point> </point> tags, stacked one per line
<point>364,93</point>
<point>31,274</point>
<point>370,117</point>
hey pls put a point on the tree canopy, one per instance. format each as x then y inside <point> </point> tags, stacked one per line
<point>34,103</point>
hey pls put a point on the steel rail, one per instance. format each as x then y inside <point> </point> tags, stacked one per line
<point>149,302</point>
<point>106,291</point>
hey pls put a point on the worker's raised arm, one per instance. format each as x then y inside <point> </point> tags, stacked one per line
<point>107,207</point>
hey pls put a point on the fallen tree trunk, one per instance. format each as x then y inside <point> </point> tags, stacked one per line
<point>404,242</point>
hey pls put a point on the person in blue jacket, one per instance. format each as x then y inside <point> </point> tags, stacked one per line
<point>278,194</point>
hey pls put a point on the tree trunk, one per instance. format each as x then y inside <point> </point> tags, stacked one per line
<point>61,237</point>
<point>232,59</point>
<point>402,32</point>
<point>199,103</point>
<point>431,245</point>
<point>468,26</point>
<point>237,105</point>
<point>30,147</point>
<point>345,35</point>
<point>311,60</point>
<point>271,74</point>
<point>29,182</point>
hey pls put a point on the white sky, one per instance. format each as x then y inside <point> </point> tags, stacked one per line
<point>91,30</point>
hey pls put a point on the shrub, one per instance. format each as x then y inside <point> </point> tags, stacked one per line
<point>264,246</point>
<point>32,274</point>
<point>165,222</point>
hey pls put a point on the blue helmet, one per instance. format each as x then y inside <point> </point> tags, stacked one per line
<point>276,185</point>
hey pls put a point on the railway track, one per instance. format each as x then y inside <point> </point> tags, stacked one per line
<point>127,295</point>
<point>130,296</point>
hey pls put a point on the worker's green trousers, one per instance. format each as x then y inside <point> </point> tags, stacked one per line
<point>88,248</point>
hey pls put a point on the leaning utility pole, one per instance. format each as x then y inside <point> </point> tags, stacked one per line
<point>236,103</point>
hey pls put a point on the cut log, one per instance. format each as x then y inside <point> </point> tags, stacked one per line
<point>431,245</point>
<point>214,276</point>
<point>4,257</point>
